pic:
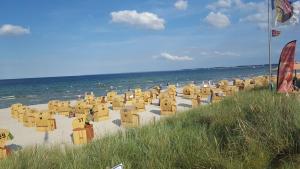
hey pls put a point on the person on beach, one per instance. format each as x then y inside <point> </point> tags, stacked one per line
<point>272,86</point>
<point>295,83</point>
<point>210,98</point>
<point>103,99</point>
<point>46,137</point>
<point>90,117</point>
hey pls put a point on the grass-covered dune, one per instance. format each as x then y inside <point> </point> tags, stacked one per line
<point>253,130</point>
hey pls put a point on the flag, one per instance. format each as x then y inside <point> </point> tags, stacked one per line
<point>275,33</point>
<point>283,10</point>
<point>286,68</point>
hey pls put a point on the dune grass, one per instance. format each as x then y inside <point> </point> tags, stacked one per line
<point>252,130</point>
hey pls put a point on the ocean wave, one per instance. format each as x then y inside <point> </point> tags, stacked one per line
<point>79,96</point>
<point>31,96</point>
<point>66,96</point>
<point>7,98</point>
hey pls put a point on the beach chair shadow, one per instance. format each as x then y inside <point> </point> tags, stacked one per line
<point>157,112</point>
<point>71,135</point>
<point>205,101</point>
<point>117,122</point>
<point>46,137</point>
<point>15,147</point>
<point>182,97</point>
<point>185,105</point>
<point>155,104</point>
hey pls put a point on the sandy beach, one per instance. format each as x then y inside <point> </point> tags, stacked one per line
<point>24,136</point>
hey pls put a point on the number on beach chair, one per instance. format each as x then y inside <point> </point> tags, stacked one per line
<point>78,123</point>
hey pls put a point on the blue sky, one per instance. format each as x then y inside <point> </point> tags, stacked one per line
<point>41,38</point>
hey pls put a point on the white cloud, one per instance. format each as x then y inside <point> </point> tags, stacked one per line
<point>218,53</point>
<point>263,26</point>
<point>8,29</point>
<point>218,19</point>
<point>181,4</point>
<point>145,19</point>
<point>257,17</point>
<point>168,56</point>
<point>225,53</point>
<point>250,5</point>
<point>255,11</point>
<point>219,4</point>
<point>259,14</point>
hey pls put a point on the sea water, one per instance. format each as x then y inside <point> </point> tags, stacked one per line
<point>41,90</point>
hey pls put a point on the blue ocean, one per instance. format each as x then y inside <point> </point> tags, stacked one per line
<point>41,90</point>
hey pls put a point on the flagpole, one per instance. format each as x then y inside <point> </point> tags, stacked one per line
<point>269,44</point>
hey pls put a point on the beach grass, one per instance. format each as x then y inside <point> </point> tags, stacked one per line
<point>253,130</point>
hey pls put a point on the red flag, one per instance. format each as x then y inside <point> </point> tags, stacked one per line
<point>275,33</point>
<point>286,68</point>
